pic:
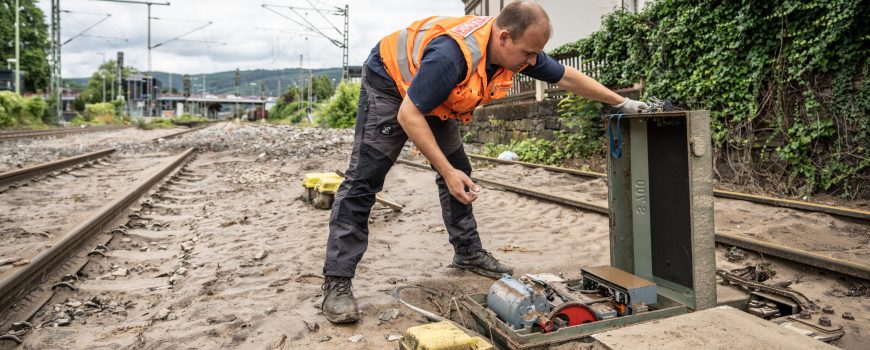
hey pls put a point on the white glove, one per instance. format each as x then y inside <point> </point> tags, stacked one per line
<point>629,106</point>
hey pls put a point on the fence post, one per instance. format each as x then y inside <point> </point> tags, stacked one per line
<point>540,90</point>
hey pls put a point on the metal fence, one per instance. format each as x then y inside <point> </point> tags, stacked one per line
<point>524,87</point>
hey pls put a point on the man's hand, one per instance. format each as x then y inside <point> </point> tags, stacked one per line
<point>457,182</point>
<point>629,106</point>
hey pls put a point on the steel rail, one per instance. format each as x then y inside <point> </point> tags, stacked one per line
<point>198,128</point>
<point>778,202</point>
<point>11,177</point>
<point>22,281</point>
<point>791,254</point>
<point>20,135</point>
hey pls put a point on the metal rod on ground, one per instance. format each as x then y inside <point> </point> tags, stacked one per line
<point>786,253</point>
<point>786,203</point>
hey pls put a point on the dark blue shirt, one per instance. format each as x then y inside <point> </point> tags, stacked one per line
<point>443,66</point>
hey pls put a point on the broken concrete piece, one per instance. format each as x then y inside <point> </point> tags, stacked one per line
<point>356,338</point>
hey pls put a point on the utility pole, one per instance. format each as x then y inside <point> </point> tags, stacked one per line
<point>103,74</point>
<point>17,49</point>
<point>56,80</point>
<point>149,79</point>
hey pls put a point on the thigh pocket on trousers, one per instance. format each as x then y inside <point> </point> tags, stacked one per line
<point>382,129</point>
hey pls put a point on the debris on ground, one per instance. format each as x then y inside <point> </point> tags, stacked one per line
<point>758,273</point>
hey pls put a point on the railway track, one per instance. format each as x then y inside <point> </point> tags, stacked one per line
<point>787,253</point>
<point>32,134</point>
<point>16,177</point>
<point>850,213</point>
<point>42,256</point>
<point>35,246</point>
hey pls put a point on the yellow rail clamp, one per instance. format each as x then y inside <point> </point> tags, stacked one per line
<point>329,184</point>
<point>309,181</point>
<point>325,191</point>
<point>441,336</point>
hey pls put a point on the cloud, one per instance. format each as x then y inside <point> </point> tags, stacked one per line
<point>238,37</point>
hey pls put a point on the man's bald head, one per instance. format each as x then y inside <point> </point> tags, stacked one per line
<point>520,15</point>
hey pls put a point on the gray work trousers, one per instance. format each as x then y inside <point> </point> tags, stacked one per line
<point>378,140</point>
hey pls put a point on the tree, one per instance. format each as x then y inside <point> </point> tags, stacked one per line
<point>292,94</point>
<point>34,44</point>
<point>93,92</point>
<point>321,87</point>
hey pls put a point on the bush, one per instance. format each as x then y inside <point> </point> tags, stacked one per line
<point>100,113</point>
<point>16,111</point>
<point>340,111</point>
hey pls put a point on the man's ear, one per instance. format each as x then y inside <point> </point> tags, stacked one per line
<point>503,36</point>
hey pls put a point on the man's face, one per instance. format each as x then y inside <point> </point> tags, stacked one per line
<point>517,53</point>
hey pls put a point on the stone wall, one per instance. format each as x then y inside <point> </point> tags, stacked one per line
<point>506,122</point>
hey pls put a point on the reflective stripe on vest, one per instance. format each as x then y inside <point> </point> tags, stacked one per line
<point>402,48</point>
<point>403,55</point>
<point>419,38</point>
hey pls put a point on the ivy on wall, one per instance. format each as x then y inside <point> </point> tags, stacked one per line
<point>785,81</point>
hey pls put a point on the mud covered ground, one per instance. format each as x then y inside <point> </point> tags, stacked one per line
<point>228,256</point>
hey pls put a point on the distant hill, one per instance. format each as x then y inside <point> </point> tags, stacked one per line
<point>224,82</point>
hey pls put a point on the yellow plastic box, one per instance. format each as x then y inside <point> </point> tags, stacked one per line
<point>441,336</point>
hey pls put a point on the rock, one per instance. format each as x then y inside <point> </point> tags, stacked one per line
<point>62,322</point>
<point>74,304</point>
<point>126,240</point>
<point>312,326</point>
<point>356,338</point>
<point>261,254</point>
<point>187,246</point>
<point>174,279</point>
<point>119,272</point>
<point>171,317</point>
<point>162,314</point>
<point>181,271</point>
<point>848,316</point>
<point>325,338</point>
<point>389,315</point>
<point>393,337</point>
<point>273,310</point>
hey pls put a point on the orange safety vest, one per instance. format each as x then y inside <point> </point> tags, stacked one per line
<point>402,51</point>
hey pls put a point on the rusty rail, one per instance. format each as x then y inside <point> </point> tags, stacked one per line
<point>791,254</point>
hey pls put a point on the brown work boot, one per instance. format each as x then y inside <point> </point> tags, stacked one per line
<point>339,305</point>
<point>481,262</point>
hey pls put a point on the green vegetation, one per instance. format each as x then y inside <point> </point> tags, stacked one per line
<point>340,111</point>
<point>154,123</point>
<point>292,105</point>
<point>34,43</point>
<point>187,119</point>
<point>785,81</point>
<point>23,112</point>
<point>582,138</point>
<point>101,114</point>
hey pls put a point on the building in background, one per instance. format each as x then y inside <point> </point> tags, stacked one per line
<point>572,20</point>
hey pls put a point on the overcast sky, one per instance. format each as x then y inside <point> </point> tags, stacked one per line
<point>252,35</point>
